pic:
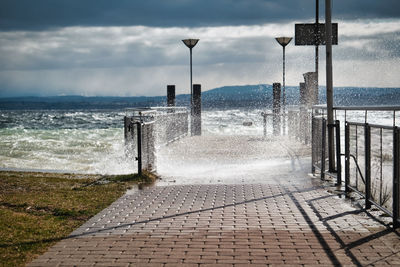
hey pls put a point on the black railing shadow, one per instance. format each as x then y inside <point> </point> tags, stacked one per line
<point>97,231</point>
<point>329,252</point>
<point>346,247</point>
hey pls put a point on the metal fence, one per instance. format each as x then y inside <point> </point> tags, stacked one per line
<point>140,143</point>
<point>146,129</point>
<point>319,149</point>
<point>371,154</point>
<point>372,165</point>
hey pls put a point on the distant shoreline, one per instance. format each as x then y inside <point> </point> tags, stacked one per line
<point>246,96</point>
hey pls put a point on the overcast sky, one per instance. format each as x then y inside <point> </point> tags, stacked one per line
<point>132,48</point>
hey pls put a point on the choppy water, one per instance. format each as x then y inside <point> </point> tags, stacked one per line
<point>93,141</point>
<point>79,141</point>
<point>88,141</point>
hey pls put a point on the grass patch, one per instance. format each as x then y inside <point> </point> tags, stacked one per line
<point>39,209</point>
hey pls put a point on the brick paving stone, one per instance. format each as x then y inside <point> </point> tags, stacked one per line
<point>227,225</point>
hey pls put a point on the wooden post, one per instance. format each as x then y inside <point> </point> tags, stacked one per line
<point>276,108</point>
<point>171,95</point>
<point>196,117</point>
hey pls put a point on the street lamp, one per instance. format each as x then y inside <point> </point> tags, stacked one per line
<point>191,43</point>
<point>283,41</point>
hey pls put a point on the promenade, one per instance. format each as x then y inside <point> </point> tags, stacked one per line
<point>223,215</point>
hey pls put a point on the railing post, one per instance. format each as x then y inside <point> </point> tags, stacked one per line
<point>313,144</point>
<point>396,197</point>
<point>347,158</point>
<point>331,150</point>
<point>338,154</point>
<point>139,147</point>
<point>367,134</point>
<point>323,143</point>
<point>265,124</point>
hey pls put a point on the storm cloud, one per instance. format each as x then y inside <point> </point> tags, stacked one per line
<point>130,48</point>
<point>46,14</point>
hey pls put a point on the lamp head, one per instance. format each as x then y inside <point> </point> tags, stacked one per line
<point>190,42</point>
<point>283,41</point>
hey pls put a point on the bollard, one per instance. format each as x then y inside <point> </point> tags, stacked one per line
<point>171,95</point>
<point>196,113</point>
<point>276,107</point>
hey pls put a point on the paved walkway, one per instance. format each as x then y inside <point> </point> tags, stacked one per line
<point>259,215</point>
<point>225,225</point>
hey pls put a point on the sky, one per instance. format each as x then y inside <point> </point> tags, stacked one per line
<point>134,48</point>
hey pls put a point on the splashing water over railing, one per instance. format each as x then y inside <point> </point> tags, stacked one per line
<point>147,129</point>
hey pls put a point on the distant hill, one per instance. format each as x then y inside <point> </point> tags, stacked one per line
<point>80,102</point>
<point>223,97</point>
<point>261,96</point>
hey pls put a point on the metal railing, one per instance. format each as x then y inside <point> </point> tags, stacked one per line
<point>371,154</point>
<point>171,123</point>
<point>364,114</point>
<point>296,121</point>
<point>146,129</point>
<point>140,141</point>
<point>319,148</point>
<point>370,170</point>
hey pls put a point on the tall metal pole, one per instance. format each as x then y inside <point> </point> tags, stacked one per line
<point>316,46</point>
<point>190,43</point>
<point>191,84</point>
<point>283,41</point>
<point>283,91</point>
<point>329,82</point>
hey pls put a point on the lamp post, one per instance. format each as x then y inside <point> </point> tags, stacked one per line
<point>329,83</point>
<point>191,43</point>
<point>283,41</point>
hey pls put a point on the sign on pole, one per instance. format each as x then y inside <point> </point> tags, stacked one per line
<point>314,34</point>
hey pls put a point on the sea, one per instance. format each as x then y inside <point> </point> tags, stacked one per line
<point>92,141</point>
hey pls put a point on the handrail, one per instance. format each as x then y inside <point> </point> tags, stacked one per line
<point>378,108</point>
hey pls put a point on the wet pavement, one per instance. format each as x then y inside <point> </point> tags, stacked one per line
<point>281,217</point>
<point>234,160</point>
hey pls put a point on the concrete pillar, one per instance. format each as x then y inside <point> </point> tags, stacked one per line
<point>171,95</point>
<point>196,116</point>
<point>276,107</point>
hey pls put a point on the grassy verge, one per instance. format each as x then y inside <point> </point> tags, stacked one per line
<point>39,209</point>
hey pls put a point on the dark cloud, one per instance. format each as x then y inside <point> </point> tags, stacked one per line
<point>45,14</point>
